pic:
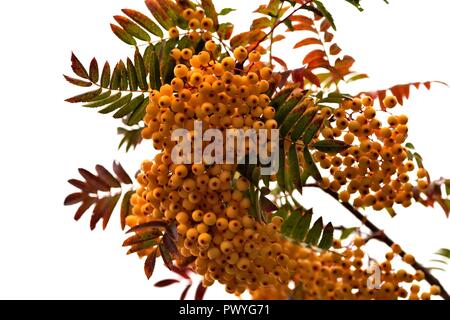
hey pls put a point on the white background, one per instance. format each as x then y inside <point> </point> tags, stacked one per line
<point>45,254</point>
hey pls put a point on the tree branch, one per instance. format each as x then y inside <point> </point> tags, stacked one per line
<point>381,236</point>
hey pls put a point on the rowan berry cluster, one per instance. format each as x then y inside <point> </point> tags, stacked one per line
<point>375,171</point>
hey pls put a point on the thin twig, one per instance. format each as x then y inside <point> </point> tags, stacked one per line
<point>383,237</point>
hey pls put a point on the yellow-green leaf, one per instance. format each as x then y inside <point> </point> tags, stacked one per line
<point>123,35</point>
<point>144,22</point>
<point>129,107</point>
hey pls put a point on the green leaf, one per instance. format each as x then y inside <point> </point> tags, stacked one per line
<point>226,11</point>
<point>291,222</point>
<point>282,212</point>
<point>312,130</point>
<point>125,208</point>
<point>294,168</point>
<point>123,76</point>
<point>286,108</point>
<point>140,70</point>
<point>131,137</point>
<point>142,246</point>
<point>444,252</point>
<point>139,113</point>
<point>93,71</point>
<point>106,75</point>
<point>130,107</point>
<point>281,98</point>
<point>78,67</point>
<point>281,176</point>
<point>331,146</point>
<point>225,31</point>
<point>132,76</point>
<point>327,237</point>
<point>159,13</point>
<point>325,13</point>
<point>166,256</point>
<point>123,35</point>
<point>356,4</point>
<point>210,11</point>
<point>103,102</point>
<point>314,234</point>
<point>152,64</point>
<point>167,62</point>
<point>102,96</point>
<point>132,28</point>
<point>118,104</point>
<point>289,123</point>
<point>302,227</point>
<point>347,232</point>
<point>303,123</point>
<point>77,82</point>
<point>144,22</point>
<point>85,97</point>
<point>311,167</point>
<point>115,78</point>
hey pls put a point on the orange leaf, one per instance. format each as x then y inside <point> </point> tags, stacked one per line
<point>319,63</point>
<point>278,38</point>
<point>314,55</point>
<point>328,37</point>
<point>303,27</point>
<point>280,62</point>
<point>325,25</point>
<point>335,50</point>
<point>307,42</point>
<point>303,19</point>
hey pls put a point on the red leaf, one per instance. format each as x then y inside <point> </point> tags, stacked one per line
<point>94,181</point>
<point>149,226</point>
<point>307,42</point>
<point>87,203</point>
<point>298,76</point>
<point>142,237</point>
<point>170,245</point>
<point>106,176</point>
<point>166,283</point>
<point>149,265</point>
<point>312,77</point>
<point>83,186</point>
<point>200,292</point>
<point>77,82</point>
<point>78,67</point>
<point>183,272</point>
<point>166,256</point>
<point>109,210</point>
<point>427,85</point>
<point>74,198</point>
<point>121,173</point>
<point>281,62</point>
<point>185,292</point>
<point>93,70</point>
<point>99,210</point>
<point>314,55</point>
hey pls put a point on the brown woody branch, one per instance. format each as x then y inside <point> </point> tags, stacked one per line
<point>381,236</point>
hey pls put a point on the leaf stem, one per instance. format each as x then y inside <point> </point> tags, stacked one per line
<point>383,237</point>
